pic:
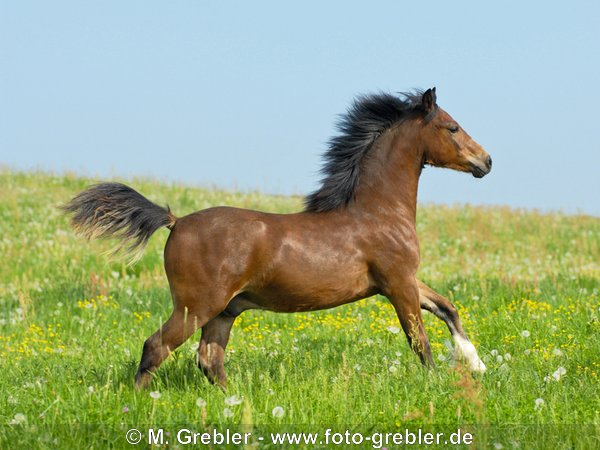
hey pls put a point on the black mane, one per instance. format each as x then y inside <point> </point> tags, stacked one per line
<point>368,117</point>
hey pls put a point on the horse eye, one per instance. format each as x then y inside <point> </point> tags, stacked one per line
<point>453,129</point>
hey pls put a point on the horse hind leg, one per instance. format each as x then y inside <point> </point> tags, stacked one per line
<point>211,352</point>
<point>188,315</point>
<point>174,332</point>
<point>443,309</point>
<point>215,336</point>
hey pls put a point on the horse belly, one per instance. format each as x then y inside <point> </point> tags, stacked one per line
<point>313,287</point>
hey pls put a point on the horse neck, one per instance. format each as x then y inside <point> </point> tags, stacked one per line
<point>389,176</point>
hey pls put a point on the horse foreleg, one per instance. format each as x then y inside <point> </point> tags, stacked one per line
<point>211,352</point>
<point>405,299</point>
<point>443,309</point>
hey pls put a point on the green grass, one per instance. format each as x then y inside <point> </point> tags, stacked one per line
<point>72,325</point>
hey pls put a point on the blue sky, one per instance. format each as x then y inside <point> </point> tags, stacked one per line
<point>245,94</point>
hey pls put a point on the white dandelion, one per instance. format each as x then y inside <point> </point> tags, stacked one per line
<point>155,395</point>
<point>539,404</point>
<point>234,400</point>
<point>18,419</point>
<point>558,373</point>
<point>200,402</point>
<point>525,333</point>
<point>278,412</point>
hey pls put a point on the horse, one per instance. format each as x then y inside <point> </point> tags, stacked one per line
<point>356,236</point>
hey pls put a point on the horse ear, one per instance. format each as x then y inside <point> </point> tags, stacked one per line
<point>428,101</point>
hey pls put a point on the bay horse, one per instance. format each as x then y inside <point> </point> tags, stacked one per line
<point>355,238</point>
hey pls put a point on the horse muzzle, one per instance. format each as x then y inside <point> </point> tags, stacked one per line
<point>480,170</point>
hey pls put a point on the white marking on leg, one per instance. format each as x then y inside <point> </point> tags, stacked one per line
<point>467,350</point>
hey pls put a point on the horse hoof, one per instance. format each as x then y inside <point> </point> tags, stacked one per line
<point>142,381</point>
<point>478,367</point>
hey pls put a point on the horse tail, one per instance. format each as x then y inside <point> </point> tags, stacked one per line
<point>115,210</point>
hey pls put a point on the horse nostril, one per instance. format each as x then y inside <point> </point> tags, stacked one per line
<point>488,161</point>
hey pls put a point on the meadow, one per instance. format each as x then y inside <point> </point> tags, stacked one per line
<point>73,321</point>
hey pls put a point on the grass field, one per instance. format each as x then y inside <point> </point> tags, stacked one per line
<point>72,325</point>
